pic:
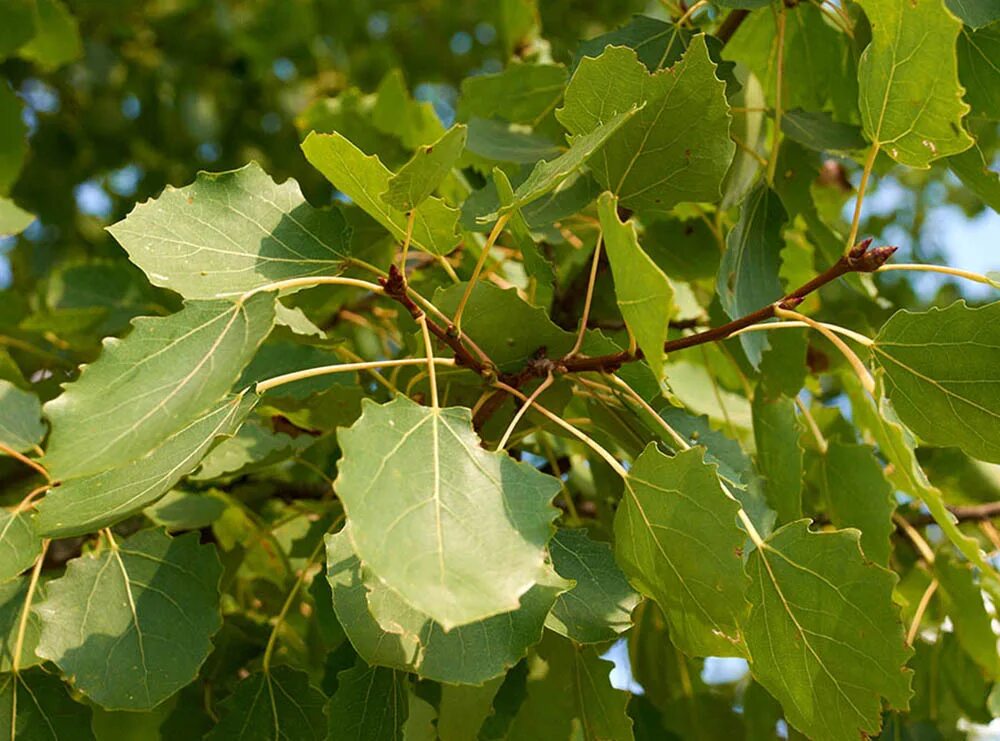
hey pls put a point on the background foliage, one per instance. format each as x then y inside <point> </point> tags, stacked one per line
<point>777,543</point>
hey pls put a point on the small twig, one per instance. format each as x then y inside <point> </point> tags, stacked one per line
<point>918,615</point>
<point>945,270</point>
<point>862,187</point>
<point>772,162</point>
<point>915,537</point>
<point>490,241</point>
<point>855,362</point>
<point>410,218</point>
<point>582,332</point>
<point>323,370</point>
<point>821,441</point>
<point>15,661</point>
<point>579,434</point>
<point>767,326</point>
<point>730,25</point>
<point>524,408</point>
<point>430,359</point>
<point>861,259</point>
<point>6,449</point>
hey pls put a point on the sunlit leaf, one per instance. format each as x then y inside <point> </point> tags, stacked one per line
<point>421,176</point>
<point>145,388</point>
<point>910,98</point>
<point>363,178</point>
<point>645,296</point>
<point>231,232</point>
<point>677,148</point>
<point>461,534</point>
<point>87,503</point>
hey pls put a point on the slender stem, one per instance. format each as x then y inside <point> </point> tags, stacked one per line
<point>915,537</point>
<point>918,616</point>
<point>637,398</point>
<point>859,368</point>
<point>523,410</point>
<point>270,383</point>
<point>550,455</point>
<point>15,661</point>
<point>292,593</point>
<point>821,442</point>
<point>373,372</point>
<point>410,218</point>
<point>945,270</point>
<point>490,241</point>
<point>314,280</point>
<point>26,502</point>
<point>579,434</point>
<point>430,359</point>
<point>862,187</point>
<point>25,460</point>
<point>849,333</point>
<point>581,333</point>
<point>772,162</point>
<point>690,12</point>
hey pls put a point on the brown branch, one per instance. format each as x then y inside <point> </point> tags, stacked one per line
<point>395,288</point>
<point>858,260</point>
<point>963,513</point>
<point>730,25</point>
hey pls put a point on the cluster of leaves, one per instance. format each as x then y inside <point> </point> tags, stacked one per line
<point>568,372</point>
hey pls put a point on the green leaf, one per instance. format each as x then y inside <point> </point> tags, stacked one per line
<point>411,641</point>
<point>21,426</point>
<point>748,277</point>
<point>57,38</point>
<point>858,495</point>
<point>464,708</point>
<point>599,607</point>
<point>817,130</point>
<point>159,606</point>
<point>677,148</point>
<point>657,44</point>
<point>548,175</point>
<point>363,178</point>
<point>13,220</point>
<point>979,70</point>
<point>279,705</point>
<point>254,446</point>
<point>426,169</point>
<point>145,388</point>
<point>677,541</point>
<point>370,704</point>
<point>395,112</point>
<point>498,142</point>
<point>974,171</point>
<point>896,444</point>
<point>569,696</point>
<point>538,268</point>
<point>35,705</point>
<point>975,13</point>
<point>12,597</point>
<point>776,432</point>
<point>783,364</point>
<point>823,633</point>
<point>458,532</point>
<point>505,327</point>
<point>230,232</point>
<point>86,504</point>
<point>13,138</point>
<point>910,98</point>
<point>522,93</point>
<point>185,510</point>
<point>683,250</point>
<point>20,543</point>
<point>18,25</point>
<point>964,603</point>
<point>942,373</point>
<point>645,296</point>
<point>811,53</point>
